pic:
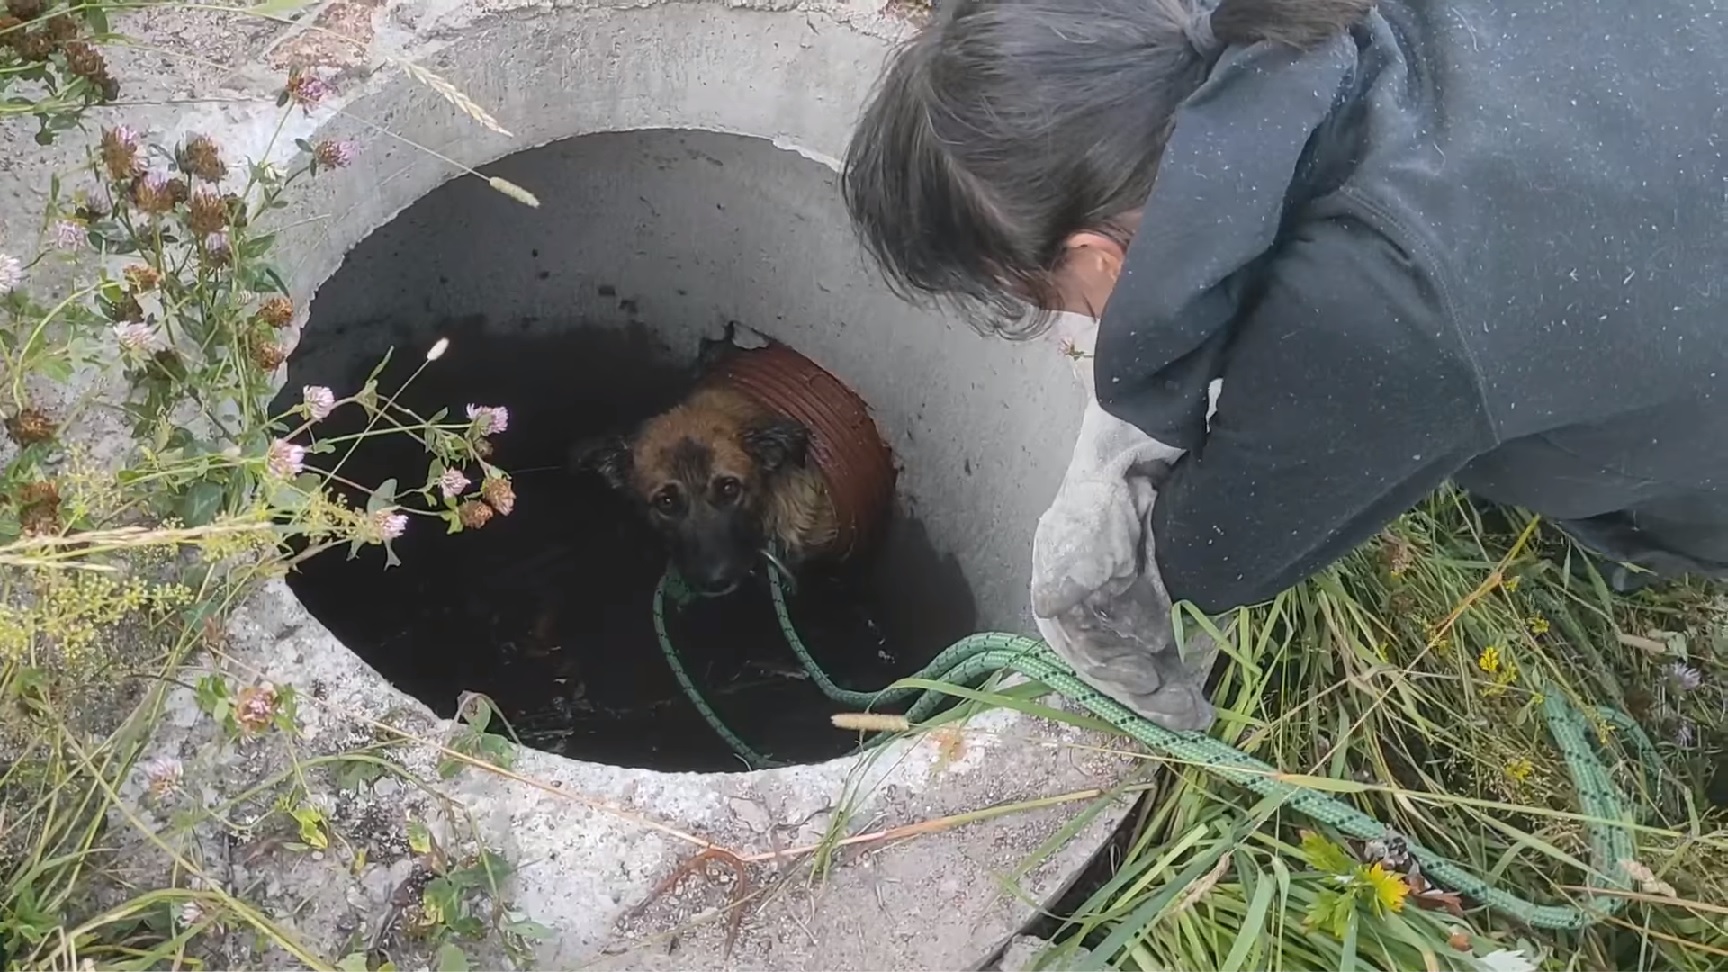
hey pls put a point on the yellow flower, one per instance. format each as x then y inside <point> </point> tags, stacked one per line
<point>1538,625</point>
<point>1520,769</point>
<point>1510,584</point>
<point>1489,660</point>
<point>1389,889</point>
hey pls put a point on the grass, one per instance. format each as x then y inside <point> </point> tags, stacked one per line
<point>1399,681</point>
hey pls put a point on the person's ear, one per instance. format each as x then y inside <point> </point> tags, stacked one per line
<point>1096,256</point>
<point>1091,265</point>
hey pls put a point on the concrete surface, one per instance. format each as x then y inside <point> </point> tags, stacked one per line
<point>983,427</point>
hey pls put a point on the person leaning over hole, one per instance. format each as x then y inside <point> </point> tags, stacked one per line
<point>1479,240</point>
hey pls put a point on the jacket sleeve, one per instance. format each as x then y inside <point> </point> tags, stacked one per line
<point>1347,397</point>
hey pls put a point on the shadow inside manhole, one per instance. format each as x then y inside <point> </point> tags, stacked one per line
<point>547,611</point>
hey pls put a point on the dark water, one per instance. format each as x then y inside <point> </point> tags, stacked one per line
<point>547,611</point>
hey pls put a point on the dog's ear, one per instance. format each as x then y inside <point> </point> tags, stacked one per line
<point>607,457</point>
<point>777,443</point>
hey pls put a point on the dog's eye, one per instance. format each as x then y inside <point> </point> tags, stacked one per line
<point>666,501</point>
<point>727,488</point>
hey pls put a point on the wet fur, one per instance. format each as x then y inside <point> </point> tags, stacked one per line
<point>715,432</point>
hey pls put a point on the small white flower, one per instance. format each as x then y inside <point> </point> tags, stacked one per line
<point>319,402</point>
<point>285,459</point>
<point>438,349</point>
<point>452,483</point>
<point>163,775</point>
<point>1506,960</point>
<point>390,524</point>
<point>490,419</point>
<point>69,234</point>
<point>11,273</point>
<point>137,336</point>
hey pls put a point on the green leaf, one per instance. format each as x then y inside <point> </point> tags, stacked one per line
<point>496,865</point>
<point>441,900</point>
<point>352,962</point>
<point>201,504</point>
<point>382,497</point>
<point>476,711</point>
<point>257,246</point>
<point>518,924</point>
<point>498,751</point>
<point>1324,855</point>
<point>311,821</point>
<point>1248,937</point>
<point>56,368</point>
<point>419,838</point>
<point>353,774</point>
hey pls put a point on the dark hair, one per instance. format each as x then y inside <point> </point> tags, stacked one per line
<point>1005,126</point>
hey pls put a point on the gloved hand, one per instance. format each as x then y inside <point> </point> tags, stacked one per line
<point>1096,594</point>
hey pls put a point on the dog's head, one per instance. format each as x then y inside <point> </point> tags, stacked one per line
<point>706,480</point>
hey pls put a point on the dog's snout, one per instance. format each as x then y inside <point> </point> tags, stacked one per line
<point>714,577</point>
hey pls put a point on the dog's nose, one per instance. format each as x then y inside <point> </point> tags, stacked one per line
<point>715,581</point>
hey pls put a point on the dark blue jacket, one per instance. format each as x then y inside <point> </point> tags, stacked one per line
<point>1482,240</point>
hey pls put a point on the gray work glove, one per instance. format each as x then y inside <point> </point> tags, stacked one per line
<point>1096,594</point>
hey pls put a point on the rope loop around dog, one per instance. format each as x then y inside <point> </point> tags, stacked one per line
<point>973,659</point>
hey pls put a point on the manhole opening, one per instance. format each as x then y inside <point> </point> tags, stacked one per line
<point>547,611</point>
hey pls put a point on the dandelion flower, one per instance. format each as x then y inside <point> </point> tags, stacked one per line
<point>452,483</point>
<point>489,420</point>
<point>1489,659</point>
<point>1520,769</point>
<point>1510,584</point>
<point>1390,889</point>
<point>285,459</point>
<point>319,402</point>
<point>11,273</point>
<point>191,913</point>
<point>1538,625</point>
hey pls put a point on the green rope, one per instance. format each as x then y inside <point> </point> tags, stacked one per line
<point>976,657</point>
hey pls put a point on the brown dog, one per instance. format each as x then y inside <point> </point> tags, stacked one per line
<point>726,482</point>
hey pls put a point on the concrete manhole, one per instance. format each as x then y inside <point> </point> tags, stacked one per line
<point>583,317</point>
<point>683,157</point>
